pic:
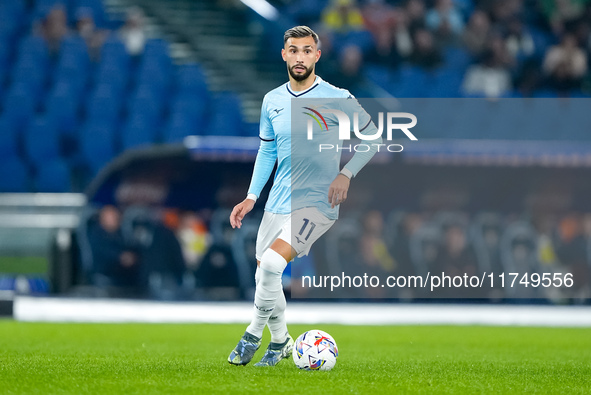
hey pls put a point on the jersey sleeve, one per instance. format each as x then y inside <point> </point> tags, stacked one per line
<point>266,155</point>
<point>366,127</point>
<point>266,132</point>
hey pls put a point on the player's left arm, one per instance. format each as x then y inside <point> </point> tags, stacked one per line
<point>338,190</point>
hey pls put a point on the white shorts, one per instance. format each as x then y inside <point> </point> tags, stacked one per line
<point>308,224</point>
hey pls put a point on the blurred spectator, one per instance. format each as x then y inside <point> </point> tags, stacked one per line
<point>559,12</point>
<point>491,76</point>
<point>195,239</point>
<point>114,262</point>
<point>163,265</point>
<point>342,16</point>
<point>529,78</point>
<point>380,18</point>
<point>133,33</point>
<point>445,20</point>
<point>401,250</point>
<point>391,36</point>
<point>456,256</point>
<point>55,27</point>
<point>572,252</point>
<point>502,11</point>
<point>373,246</point>
<point>519,41</point>
<point>349,73</point>
<point>415,13</point>
<point>565,64</point>
<point>86,28</point>
<point>218,268</point>
<point>425,53</point>
<point>476,33</point>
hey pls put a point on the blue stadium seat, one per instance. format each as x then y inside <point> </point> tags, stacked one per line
<point>380,75</point>
<point>104,105</point>
<point>412,82</point>
<point>191,79</point>
<point>30,73</point>
<point>14,175</point>
<point>157,49</point>
<point>194,108</point>
<point>19,104</point>
<point>177,128</point>
<point>145,101</point>
<point>457,58</point>
<point>73,64</point>
<point>112,74</point>
<point>35,47</point>
<point>445,82</point>
<point>5,58</point>
<point>138,131</point>
<point>42,7</point>
<point>152,73</point>
<point>53,176</point>
<point>8,138</point>
<point>113,52</point>
<point>227,116</point>
<point>95,6</point>
<point>41,141</point>
<point>62,108</point>
<point>75,46</point>
<point>11,16</point>
<point>97,146</point>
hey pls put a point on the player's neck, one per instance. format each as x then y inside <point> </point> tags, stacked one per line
<point>298,86</point>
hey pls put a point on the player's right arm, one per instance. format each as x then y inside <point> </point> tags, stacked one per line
<point>263,167</point>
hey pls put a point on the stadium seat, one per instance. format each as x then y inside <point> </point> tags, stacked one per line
<point>53,176</point>
<point>445,82</point>
<point>457,59</point>
<point>145,101</point>
<point>154,74</point>
<point>8,138</point>
<point>97,146</point>
<point>30,73</point>
<point>157,49</point>
<point>41,141</point>
<point>104,104</point>
<point>227,116</point>
<point>194,108</point>
<point>11,16</point>
<point>35,47</point>
<point>19,104</point>
<point>14,175</point>
<point>95,6</point>
<point>114,54</point>
<point>411,82</point>
<point>139,130</point>
<point>42,7</point>
<point>62,108</point>
<point>74,63</point>
<point>177,128</point>
<point>191,79</point>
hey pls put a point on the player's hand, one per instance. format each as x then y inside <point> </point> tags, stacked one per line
<point>240,210</point>
<point>337,192</point>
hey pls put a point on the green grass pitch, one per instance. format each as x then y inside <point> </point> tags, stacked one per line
<point>165,358</point>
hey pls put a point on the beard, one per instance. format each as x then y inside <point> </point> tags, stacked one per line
<point>300,77</point>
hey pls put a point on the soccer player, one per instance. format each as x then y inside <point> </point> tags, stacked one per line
<point>319,184</point>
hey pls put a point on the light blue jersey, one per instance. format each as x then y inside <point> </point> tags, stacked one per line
<point>303,174</point>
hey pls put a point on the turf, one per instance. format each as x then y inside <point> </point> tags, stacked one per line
<point>154,358</point>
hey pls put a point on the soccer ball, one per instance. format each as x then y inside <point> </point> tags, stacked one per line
<point>315,350</point>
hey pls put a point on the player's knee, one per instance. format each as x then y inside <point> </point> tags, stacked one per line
<point>273,262</point>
